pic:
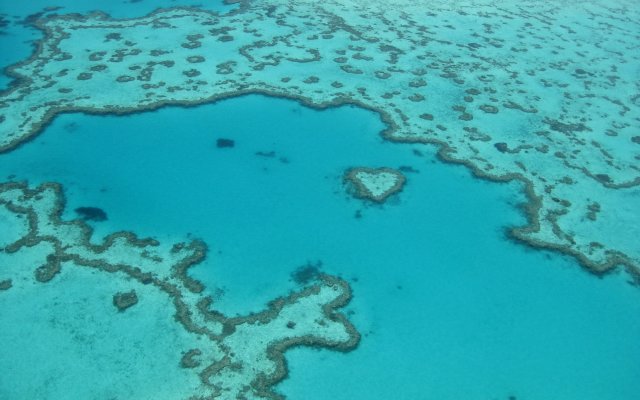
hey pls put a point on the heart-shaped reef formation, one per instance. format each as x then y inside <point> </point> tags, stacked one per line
<point>375,184</point>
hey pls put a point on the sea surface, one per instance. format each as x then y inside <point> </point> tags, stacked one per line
<point>448,306</point>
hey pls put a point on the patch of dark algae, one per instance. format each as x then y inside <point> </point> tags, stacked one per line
<point>225,371</point>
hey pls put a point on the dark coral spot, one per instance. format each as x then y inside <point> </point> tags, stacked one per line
<point>6,284</point>
<point>501,146</point>
<point>223,143</point>
<point>489,109</point>
<point>91,213</point>
<point>428,117</point>
<point>604,178</point>
<point>122,301</point>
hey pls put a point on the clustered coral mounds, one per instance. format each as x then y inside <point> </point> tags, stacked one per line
<point>375,184</point>
<point>238,356</point>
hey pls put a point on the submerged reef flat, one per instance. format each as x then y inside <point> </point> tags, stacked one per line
<point>375,184</point>
<point>545,92</point>
<point>229,357</point>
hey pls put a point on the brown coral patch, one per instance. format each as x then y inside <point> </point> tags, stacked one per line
<point>124,300</point>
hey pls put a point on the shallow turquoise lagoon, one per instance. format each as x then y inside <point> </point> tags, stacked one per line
<point>449,308</point>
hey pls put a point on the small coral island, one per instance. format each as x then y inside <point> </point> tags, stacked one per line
<point>375,184</point>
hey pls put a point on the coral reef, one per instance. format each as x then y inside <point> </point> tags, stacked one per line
<point>375,184</point>
<point>124,300</point>
<point>555,108</point>
<point>237,357</point>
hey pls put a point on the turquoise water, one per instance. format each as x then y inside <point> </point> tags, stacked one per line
<point>449,308</point>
